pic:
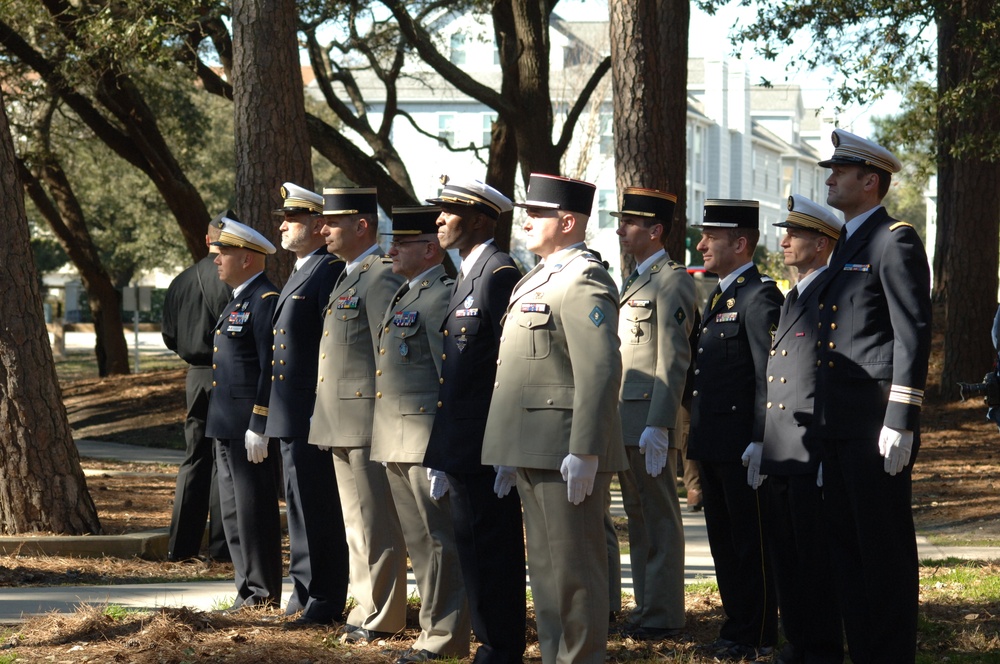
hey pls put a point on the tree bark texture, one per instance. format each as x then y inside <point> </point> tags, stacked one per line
<point>42,486</point>
<point>272,141</point>
<point>965,268</point>
<point>649,44</point>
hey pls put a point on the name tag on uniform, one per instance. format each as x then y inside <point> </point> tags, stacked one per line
<point>639,303</point>
<point>404,319</point>
<point>727,317</point>
<point>858,267</point>
<point>534,307</point>
<point>467,313</point>
<point>348,302</point>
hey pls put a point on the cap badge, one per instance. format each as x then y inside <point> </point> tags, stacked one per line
<point>791,203</point>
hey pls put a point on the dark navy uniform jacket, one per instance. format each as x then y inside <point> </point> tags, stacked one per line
<point>730,385</point>
<point>241,367</point>
<point>298,326</point>
<point>791,388</point>
<point>874,332</point>
<point>471,345</point>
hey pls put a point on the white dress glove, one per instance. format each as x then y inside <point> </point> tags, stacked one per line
<point>439,483</point>
<point>256,445</point>
<point>506,478</point>
<point>751,461</point>
<point>819,475</point>
<point>579,471</point>
<point>895,445</point>
<point>654,444</point>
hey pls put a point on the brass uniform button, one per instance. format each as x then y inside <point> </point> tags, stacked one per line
<point>357,394</point>
<point>214,384</point>
<point>439,404</point>
<point>378,372</point>
<point>378,395</point>
<point>446,333</point>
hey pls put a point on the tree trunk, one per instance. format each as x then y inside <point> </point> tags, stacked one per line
<point>65,217</point>
<point>272,142</point>
<point>968,205</point>
<point>649,44</point>
<point>42,486</point>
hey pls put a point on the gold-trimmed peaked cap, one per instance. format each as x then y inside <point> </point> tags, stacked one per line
<point>474,194</point>
<point>299,199</point>
<point>236,234</point>
<point>552,192</point>
<point>414,220</point>
<point>653,203</point>
<point>730,213</point>
<point>804,213</point>
<point>350,200</point>
<point>850,149</point>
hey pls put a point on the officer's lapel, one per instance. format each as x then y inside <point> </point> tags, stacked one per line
<point>858,240</point>
<point>468,285</point>
<point>639,283</point>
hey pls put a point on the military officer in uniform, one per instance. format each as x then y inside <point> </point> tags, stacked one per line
<point>727,413</point>
<point>789,456</point>
<point>554,417</point>
<point>345,410</point>
<point>192,306</point>
<point>237,416</point>
<point>317,543</point>
<point>657,313</point>
<point>408,371</point>
<point>485,507</point>
<point>874,333</point>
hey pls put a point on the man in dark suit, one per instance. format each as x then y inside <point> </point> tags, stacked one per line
<point>727,413</point>
<point>554,416</point>
<point>875,332</point>
<point>789,456</point>
<point>191,309</point>
<point>345,409</point>
<point>237,416</point>
<point>657,314</point>
<point>407,381</point>
<point>485,507</point>
<point>317,542</point>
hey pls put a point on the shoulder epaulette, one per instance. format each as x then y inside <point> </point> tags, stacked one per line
<point>334,259</point>
<point>674,265</point>
<point>504,267</point>
<point>269,294</point>
<point>900,224</point>
<point>387,260</point>
<point>765,278</point>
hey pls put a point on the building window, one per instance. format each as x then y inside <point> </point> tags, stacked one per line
<point>458,48</point>
<point>606,203</point>
<point>488,120</point>
<point>446,129</point>
<point>607,135</point>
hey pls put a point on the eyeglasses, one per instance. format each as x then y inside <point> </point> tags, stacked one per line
<point>396,244</point>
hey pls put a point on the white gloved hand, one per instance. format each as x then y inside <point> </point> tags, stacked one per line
<point>654,443</point>
<point>751,461</point>
<point>506,478</point>
<point>324,448</point>
<point>439,483</point>
<point>579,471</point>
<point>256,445</point>
<point>819,475</point>
<point>895,445</point>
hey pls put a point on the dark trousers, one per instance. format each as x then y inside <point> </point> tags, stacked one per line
<point>873,548</point>
<point>735,521</point>
<point>249,496</point>
<point>810,616</point>
<point>490,540</point>
<point>317,541</point>
<point>197,494</point>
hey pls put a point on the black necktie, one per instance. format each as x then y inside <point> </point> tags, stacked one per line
<point>404,289</point>
<point>793,295</point>
<point>631,280</point>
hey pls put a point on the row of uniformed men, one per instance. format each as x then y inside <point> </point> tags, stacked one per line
<point>538,394</point>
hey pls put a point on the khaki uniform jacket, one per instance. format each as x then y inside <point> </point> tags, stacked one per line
<point>559,369</point>
<point>345,388</point>
<point>408,370</point>
<point>657,315</point>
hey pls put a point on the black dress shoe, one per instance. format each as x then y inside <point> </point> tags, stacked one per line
<point>412,655</point>
<point>305,622</point>
<point>362,635</point>
<point>651,633</point>
<point>741,652</point>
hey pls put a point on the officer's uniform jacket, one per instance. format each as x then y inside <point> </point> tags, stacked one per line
<point>789,449</point>
<point>298,326</point>
<point>874,331</point>
<point>559,369</point>
<point>411,349</point>
<point>730,387</point>
<point>657,314</point>
<point>241,367</point>
<point>471,344</point>
<point>345,388</point>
